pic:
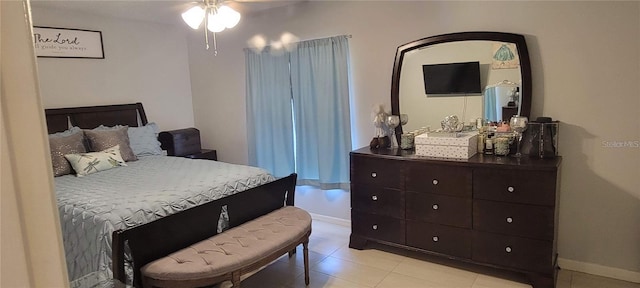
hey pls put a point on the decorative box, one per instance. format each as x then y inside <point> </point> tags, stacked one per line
<point>462,147</point>
<point>540,140</point>
<point>180,142</point>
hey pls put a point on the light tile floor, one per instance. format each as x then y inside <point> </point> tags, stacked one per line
<point>333,264</point>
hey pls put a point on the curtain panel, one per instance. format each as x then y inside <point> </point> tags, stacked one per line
<point>269,115</point>
<point>306,91</point>
<point>490,110</point>
<point>320,85</point>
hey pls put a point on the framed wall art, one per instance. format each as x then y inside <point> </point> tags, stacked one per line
<point>505,56</point>
<point>67,43</point>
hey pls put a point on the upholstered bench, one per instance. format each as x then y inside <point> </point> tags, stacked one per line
<point>228,255</point>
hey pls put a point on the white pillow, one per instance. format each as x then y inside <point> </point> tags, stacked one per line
<point>89,163</point>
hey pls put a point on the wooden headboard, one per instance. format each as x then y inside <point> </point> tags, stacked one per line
<point>89,117</point>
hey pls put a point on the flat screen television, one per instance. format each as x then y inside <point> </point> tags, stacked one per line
<point>452,78</point>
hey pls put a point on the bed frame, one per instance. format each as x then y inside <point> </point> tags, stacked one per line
<point>89,117</point>
<point>163,236</point>
<point>169,234</point>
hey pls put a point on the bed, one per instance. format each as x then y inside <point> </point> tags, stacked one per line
<point>151,188</point>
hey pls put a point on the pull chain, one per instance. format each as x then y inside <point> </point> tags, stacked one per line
<point>215,45</point>
<point>206,24</point>
<point>208,8</point>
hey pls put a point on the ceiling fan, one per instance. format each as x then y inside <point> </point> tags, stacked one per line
<point>219,15</point>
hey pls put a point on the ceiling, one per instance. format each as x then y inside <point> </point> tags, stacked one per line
<point>163,11</point>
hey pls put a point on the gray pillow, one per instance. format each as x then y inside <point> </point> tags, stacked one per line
<point>142,140</point>
<point>104,139</point>
<point>62,145</point>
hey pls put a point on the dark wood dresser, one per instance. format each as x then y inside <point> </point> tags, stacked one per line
<point>486,212</point>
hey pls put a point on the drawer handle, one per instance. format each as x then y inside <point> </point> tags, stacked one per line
<point>374,198</point>
<point>435,239</point>
<point>435,181</point>
<point>374,174</point>
<point>509,220</point>
<point>435,207</point>
<point>511,189</point>
<point>508,249</point>
<point>375,227</point>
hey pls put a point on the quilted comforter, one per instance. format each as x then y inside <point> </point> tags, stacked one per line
<point>93,206</point>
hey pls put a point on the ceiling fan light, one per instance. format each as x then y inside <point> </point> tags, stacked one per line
<point>193,17</point>
<point>215,23</point>
<point>230,17</point>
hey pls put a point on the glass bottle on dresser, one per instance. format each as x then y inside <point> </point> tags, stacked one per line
<point>488,145</point>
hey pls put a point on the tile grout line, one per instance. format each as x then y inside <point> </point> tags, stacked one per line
<point>382,280</point>
<point>353,264</point>
<point>475,281</point>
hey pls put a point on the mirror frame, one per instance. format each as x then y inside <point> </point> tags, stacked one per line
<point>523,53</point>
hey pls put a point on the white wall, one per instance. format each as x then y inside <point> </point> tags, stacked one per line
<point>31,240</point>
<point>144,62</point>
<point>584,58</point>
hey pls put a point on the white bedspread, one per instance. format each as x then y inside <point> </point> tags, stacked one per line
<point>94,206</point>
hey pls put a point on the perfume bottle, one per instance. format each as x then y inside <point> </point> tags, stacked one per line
<point>481,139</point>
<point>488,145</point>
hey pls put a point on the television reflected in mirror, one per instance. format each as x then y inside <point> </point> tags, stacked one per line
<point>496,67</point>
<point>450,79</point>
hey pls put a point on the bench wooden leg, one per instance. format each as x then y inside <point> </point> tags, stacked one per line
<point>305,250</point>
<point>292,252</point>
<point>235,279</point>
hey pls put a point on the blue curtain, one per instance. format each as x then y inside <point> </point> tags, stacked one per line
<point>269,115</point>
<point>490,110</point>
<point>320,85</point>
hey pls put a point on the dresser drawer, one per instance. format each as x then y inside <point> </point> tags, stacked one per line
<point>446,180</point>
<point>377,200</point>
<point>376,171</point>
<point>439,238</point>
<point>514,219</point>
<point>439,209</point>
<point>378,227</point>
<point>511,251</point>
<point>528,187</point>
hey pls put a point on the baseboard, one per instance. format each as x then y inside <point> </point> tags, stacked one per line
<point>332,220</point>
<point>600,270</point>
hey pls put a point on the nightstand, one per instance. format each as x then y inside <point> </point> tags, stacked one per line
<point>185,143</point>
<point>204,154</point>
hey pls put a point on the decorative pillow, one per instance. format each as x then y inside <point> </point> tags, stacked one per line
<point>63,145</point>
<point>89,163</point>
<point>105,128</point>
<point>103,139</point>
<point>69,132</point>
<point>144,140</point>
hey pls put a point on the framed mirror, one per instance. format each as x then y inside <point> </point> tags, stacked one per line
<point>471,75</point>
